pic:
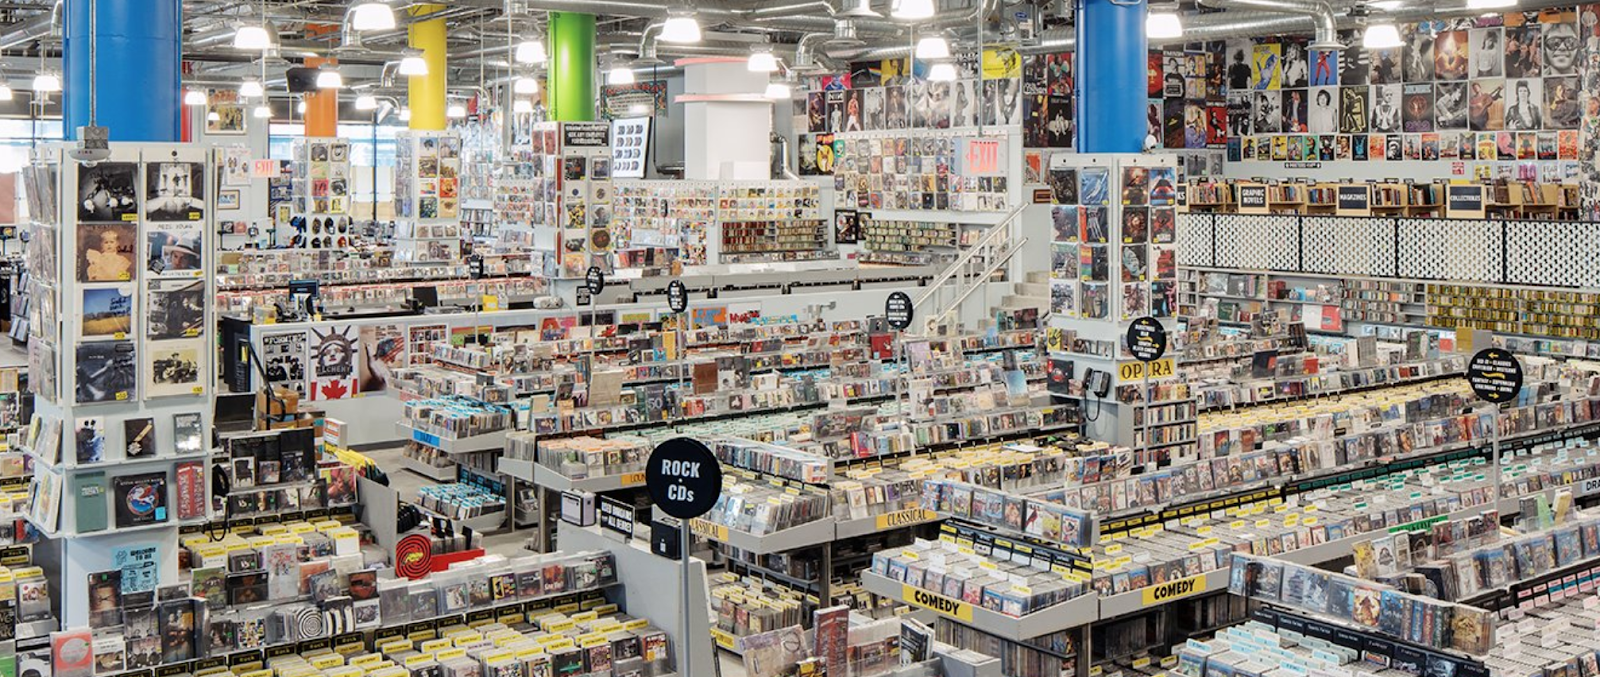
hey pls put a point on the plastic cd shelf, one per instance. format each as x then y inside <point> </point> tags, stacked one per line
<point>807,535</point>
<point>898,519</point>
<point>1162,593</point>
<point>489,441</point>
<point>1076,612</point>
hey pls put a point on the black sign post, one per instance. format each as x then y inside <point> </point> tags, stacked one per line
<point>684,480</point>
<point>594,282</point>
<point>1496,377</point>
<point>897,313</point>
<point>678,302</point>
<point>1147,342</point>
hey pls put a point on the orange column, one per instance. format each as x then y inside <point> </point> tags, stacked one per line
<point>322,107</point>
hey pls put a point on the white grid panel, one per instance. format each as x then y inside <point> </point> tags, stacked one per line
<point>1252,242</point>
<point>1553,253</point>
<point>1455,249</point>
<point>1347,245</point>
<point>1195,232</point>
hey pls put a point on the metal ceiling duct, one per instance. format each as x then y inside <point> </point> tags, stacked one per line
<point>1321,12</point>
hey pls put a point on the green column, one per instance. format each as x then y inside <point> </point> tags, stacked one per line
<point>572,67</point>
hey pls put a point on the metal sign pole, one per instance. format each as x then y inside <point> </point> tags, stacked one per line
<point>1144,420</point>
<point>685,538</point>
<point>1494,438</point>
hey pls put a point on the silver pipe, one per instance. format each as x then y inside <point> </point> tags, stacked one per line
<point>1320,11</point>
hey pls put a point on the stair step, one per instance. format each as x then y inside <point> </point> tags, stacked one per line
<point>1038,277</point>
<point>1015,301</point>
<point>1031,289</point>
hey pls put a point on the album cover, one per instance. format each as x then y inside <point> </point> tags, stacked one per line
<point>187,432</point>
<point>107,192</point>
<point>1095,188</point>
<point>107,311</point>
<point>33,599</point>
<point>177,630</point>
<point>105,371</point>
<point>1560,49</point>
<point>174,248</point>
<point>139,437</point>
<point>284,355</point>
<point>175,191</point>
<point>174,368</point>
<point>106,252</point>
<point>177,309</point>
<point>1526,109</point>
<point>109,658</point>
<point>140,499</point>
<point>90,437</point>
<point>1561,107</point>
<point>1417,112</point>
<point>105,599</point>
<point>1386,108</point>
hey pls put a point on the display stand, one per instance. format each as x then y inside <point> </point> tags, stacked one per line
<point>427,189</point>
<point>643,576</point>
<point>321,203</point>
<point>122,360</point>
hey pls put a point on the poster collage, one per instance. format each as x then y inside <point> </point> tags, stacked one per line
<point>139,273</point>
<point>1095,260</point>
<point>1004,88</point>
<point>1496,88</point>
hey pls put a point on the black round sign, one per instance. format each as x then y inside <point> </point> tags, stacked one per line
<point>677,296</point>
<point>898,310</point>
<point>595,280</point>
<point>683,477</point>
<point>1495,375</point>
<point>1147,339</point>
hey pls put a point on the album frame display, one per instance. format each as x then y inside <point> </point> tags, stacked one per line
<point>427,189</point>
<point>123,348</point>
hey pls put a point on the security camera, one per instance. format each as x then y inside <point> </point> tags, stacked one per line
<point>94,145</point>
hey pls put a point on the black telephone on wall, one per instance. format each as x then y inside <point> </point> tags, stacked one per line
<point>1097,382</point>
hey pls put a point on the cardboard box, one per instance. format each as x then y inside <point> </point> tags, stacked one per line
<point>283,401</point>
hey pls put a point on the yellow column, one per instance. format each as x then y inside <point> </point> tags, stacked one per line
<point>426,94</point>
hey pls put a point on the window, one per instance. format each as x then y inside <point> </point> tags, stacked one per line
<point>371,156</point>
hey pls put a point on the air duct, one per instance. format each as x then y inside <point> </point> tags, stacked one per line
<point>1321,12</point>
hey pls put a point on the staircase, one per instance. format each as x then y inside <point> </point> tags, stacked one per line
<point>939,306</point>
<point>1034,293</point>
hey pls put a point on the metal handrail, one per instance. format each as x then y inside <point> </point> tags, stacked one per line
<point>961,261</point>
<point>994,264</point>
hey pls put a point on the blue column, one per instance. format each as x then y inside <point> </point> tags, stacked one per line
<point>137,75</point>
<point>1111,76</point>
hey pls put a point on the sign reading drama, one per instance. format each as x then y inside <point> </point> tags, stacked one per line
<point>1253,196</point>
<point>1134,371</point>
<point>586,134</point>
<point>1495,375</point>
<point>683,478</point>
<point>1147,339</point>
<point>1587,487</point>
<point>1171,590</point>
<point>594,281</point>
<point>1355,198</point>
<point>938,603</point>
<point>897,308</point>
<point>677,296</point>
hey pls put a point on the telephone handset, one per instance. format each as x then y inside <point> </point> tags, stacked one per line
<point>1097,382</point>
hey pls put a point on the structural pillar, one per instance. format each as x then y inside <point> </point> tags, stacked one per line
<point>426,94</point>
<point>135,54</point>
<point>572,67</point>
<point>1111,67</point>
<point>322,106</point>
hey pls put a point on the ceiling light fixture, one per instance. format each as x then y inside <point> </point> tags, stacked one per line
<point>413,65</point>
<point>262,112</point>
<point>778,90</point>
<point>913,10</point>
<point>405,114</point>
<point>530,51</point>
<point>522,106</point>
<point>329,78</point>
<point>366,102</point>
<point>46,82</point>
<point>620,74</point>
<point>1490,4</point>
<point>933,47</point>
<point>455,111</point>
<point>681,29</point>
<point>194,97</point>
<point>5,92</point>
<point>251,88</point>
<point>1381,36</point>
<point>943,71</point>
<point>1163,25</point>
<point>300,107</point>
<point>525,85</point>
<point>862,10</point>
<point>762,61</point>
<point>372,16</point>
<point>252,37</point>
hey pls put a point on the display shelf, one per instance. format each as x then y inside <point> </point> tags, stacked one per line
<point>435,473</point>
<point>1073,613</point>
<point>486,442</point>
<point>807,535</point>
<point>528,471</point>
<point>1116,606</point>
<point>769,574</point>
<point>894,520</point>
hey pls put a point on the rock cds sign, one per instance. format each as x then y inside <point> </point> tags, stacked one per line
<point>683,477</point>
